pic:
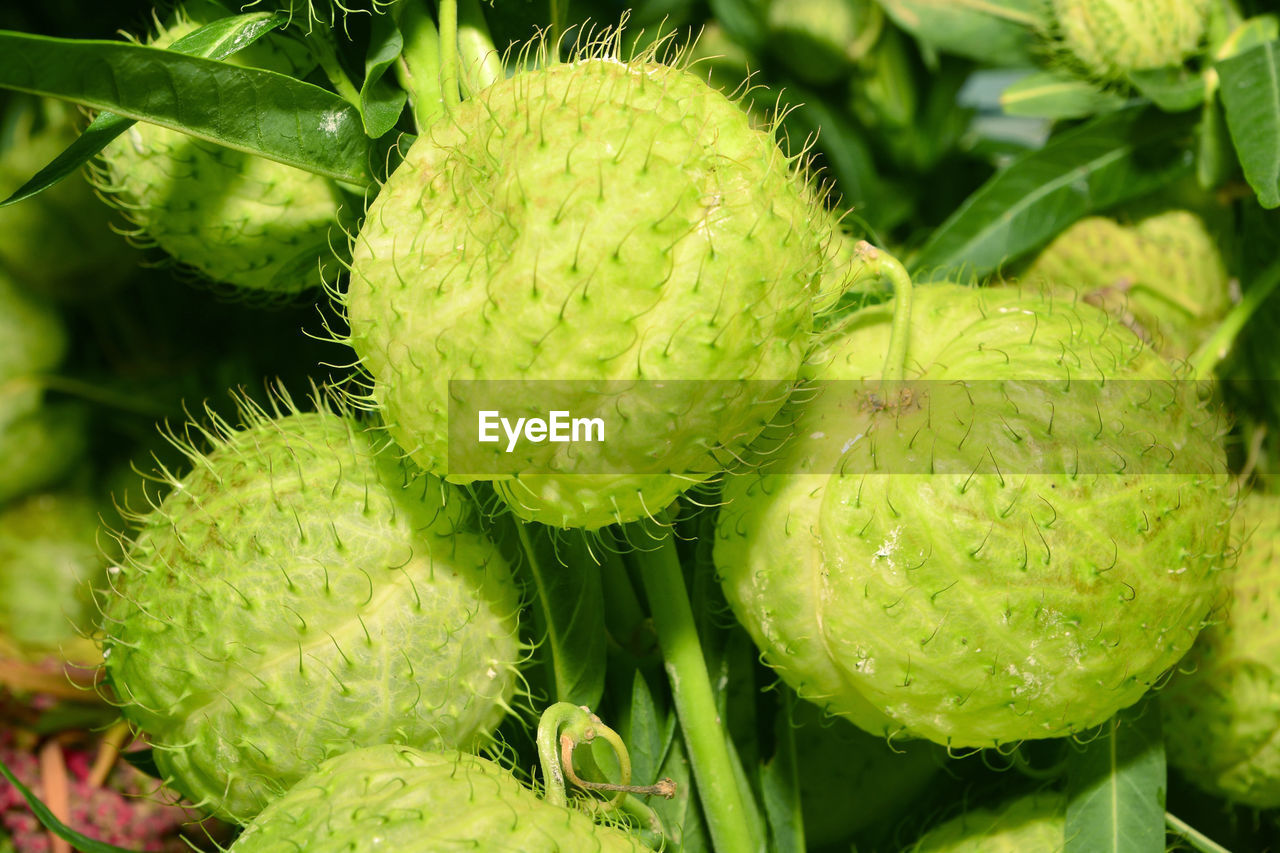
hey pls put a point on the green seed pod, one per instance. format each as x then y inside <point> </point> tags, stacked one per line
<point>291,599</point>
<point>1164,276</point>
<point>418,802</point>
<point>232,217</point>
<point>999,556</point>
<point>819,40</point>
<point>1031,824</point>
<point>1111,38</point>
<point>60,242</point>
<point>1222,709</point>
<point>591,220</point>
<point>49,566</point>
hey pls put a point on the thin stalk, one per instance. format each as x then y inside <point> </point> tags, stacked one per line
<point>704,732</point>
<point>325,52</point>
<point>1206,359</point>
<point>1193,836</point>
<point>559,14</point>
<point>448,17</point>
<point>479,58</point>
<point>886,265</point>
<point>418,67</point>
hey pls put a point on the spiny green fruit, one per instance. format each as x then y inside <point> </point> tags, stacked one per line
<point>233,217</point>
<point>1222,709</point>
<point>1111,38</point>
<point>851,781</point>
<point>60,242</point>
<point>591,220</point>
<point>1032,824</point>
<point>291,598</point>
<point>409,801</point>
<point>50,564</point>
<point>991,558</point>
<point>1164,275</point>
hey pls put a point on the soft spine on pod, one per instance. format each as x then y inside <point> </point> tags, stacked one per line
<point>595,220</point>
<point>291,599</point>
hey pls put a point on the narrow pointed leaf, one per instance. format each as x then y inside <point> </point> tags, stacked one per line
<point>57,827</point>
<point>1047,94</point>
<point>247,109</point>
<point>218,40</point>
<point>1250,91</point>
<point>1088,168</point>
<point>996,32</point>
<point>1116,787</point>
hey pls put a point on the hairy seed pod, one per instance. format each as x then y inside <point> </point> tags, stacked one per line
<point>232,217</point>
<point>1164,275</point>
<point>291,599</point>
<point>1000,554</point>
<point>1032,824</point>
<point>1111,38</point>
<point>591,220</point>
<point>1222,709</point>
<point>417,802</point>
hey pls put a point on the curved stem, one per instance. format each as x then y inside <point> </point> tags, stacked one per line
<point>452,95</point>
<point>704,732</point>
<point>325,51</point>
<point>479,58</point>
<point>1206,359</point>
<point>886,265</point>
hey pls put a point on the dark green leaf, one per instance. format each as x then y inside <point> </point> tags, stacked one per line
<point>1250,89</point>
<point>246,109</point>
<point>780,785</point>
<point>1048,94</point>
<point>1108,160</point>
<point>1173,90</point>
<point>1116,787</point>
<point>645,736</point>
<point>996,32</point>
<point>570,605</point>
<point>57,827</point>
<point>217,40</point>
<point>380,102</point>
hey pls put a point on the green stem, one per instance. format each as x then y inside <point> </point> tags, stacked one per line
<point>325,50</point>
<point>1198,839</point>
<point>544,604</point>
<point>418,68</point>
<point>449,53</point>
<point>559,14</point>
<point>704,732</point>
<point>479,57</point>
<point>1205,359</point>
<point>93,393</point>
<point>883,264</point>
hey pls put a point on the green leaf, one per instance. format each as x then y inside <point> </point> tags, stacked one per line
<point>1250,90</point>
<point>646,734</point>
<point>1215,158</point>
<point>218,40</point>
<point>1103,162</point>
<point>51,822</point>
<point>1116,787</point>
<point>780,784</point>
<point>570,607</point>
<point>380,102</point>
<point>246,109</point>
<point>1048,94</point>
<point>1173,90</point>
<point>995,32</point>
